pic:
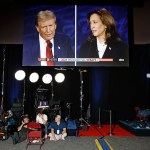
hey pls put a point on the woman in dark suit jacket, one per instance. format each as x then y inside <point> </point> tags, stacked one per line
<point>104,43</point>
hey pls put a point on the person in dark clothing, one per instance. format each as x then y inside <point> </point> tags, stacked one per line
<point>21,133</point>
<point>34,46</point>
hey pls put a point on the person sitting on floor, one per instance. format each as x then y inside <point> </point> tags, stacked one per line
<point>21,133</point>
<point>58,129</point>
<point>42,119</point>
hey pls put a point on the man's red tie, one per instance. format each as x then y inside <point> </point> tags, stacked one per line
<point>49,53</point>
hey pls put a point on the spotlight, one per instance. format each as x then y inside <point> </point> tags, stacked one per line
<point>34,77</point>
<point>148,75</point>
<point>59,77</point>
<point>20,75</point>
<point>47,78</point>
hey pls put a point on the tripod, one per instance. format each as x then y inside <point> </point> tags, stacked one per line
<point>68,105</point>
<point>81,99</point>
<point>52,95</point>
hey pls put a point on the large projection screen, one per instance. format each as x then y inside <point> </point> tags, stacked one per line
<point>73,30</point>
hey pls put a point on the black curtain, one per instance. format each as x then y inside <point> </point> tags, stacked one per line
<point>117,88</point>
<point>10,56</point>
<point>120,89</point>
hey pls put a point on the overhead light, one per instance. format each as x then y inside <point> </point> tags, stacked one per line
<point>20,75</point>
<point>148,75</point>
<point>34,77</point>
<point>59,77</point>
<point>47,78</point>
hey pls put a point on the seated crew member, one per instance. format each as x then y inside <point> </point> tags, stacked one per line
<point>58,129</point>
<point>21,133</point>
<point>42,119</point>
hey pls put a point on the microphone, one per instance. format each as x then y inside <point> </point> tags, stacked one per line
<point>50,45</point>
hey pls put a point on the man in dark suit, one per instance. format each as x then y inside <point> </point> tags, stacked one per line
<point>35,46</point>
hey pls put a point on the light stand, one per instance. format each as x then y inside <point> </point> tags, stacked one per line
<point>2,101</point>
<point>68,105</point>
<point>81,99</point>
<point>20,75</point>
<point>52,94</point>
<point>24,96</point>
<point>57,108</point>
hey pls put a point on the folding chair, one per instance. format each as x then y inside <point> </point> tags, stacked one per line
<point>34,134</point>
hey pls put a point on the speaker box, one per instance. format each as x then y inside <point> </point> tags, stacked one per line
<point>72,128</point>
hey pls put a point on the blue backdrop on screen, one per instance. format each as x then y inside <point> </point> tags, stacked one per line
<point>72,21</point>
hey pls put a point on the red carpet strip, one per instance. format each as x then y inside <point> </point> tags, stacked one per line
<point>104,130</point>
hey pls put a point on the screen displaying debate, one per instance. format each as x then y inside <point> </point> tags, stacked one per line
<point>80,35</point>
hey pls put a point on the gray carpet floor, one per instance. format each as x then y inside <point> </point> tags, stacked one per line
<point>83,143</point>
<point>129,143</point>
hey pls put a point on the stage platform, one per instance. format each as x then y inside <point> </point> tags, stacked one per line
<point>136,128</point>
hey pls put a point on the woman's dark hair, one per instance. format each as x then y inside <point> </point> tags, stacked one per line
<point>108,20</point>
<point>39,111</point>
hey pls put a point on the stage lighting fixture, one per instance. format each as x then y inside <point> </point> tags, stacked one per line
<point>59,77</point>
<point>47,78</point>
<point>20,75</point>
<point>34,77</point>
<point>148,75</point>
